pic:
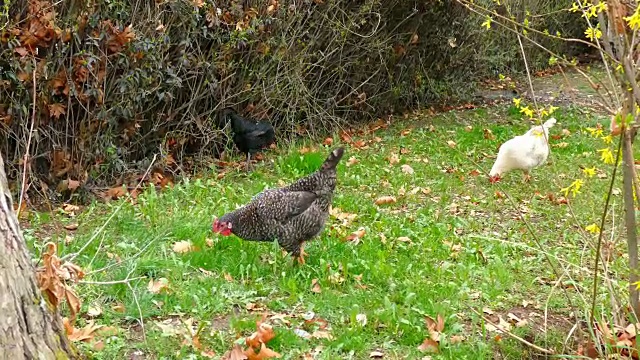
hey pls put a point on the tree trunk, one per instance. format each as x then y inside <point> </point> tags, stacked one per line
<point>29,327</point>
<point>630,218</point>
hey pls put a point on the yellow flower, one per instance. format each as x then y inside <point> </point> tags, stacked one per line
<point>633,20</point>
<point>487,23</point>
<point>607,139</point>
<point>593,34</point>
<point>606,156</point>
<point>593,228</point>
<point>527,111</point>
<point>516,102</point>
<point>589,171</point>
<point>552,109</point>
<point>574,7</point>
<point>575,187</point>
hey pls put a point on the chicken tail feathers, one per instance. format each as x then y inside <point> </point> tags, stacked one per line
<point>333,159</point>
<point>549,123</point>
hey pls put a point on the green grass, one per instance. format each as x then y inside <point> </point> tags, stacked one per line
<point>495,262</point>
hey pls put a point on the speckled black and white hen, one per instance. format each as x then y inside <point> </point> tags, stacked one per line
<point>292,214</point>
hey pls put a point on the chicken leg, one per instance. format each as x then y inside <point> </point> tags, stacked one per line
<point>300,258</point>
<point>527,177</point>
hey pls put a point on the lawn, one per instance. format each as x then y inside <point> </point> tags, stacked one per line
<point>452,244</point>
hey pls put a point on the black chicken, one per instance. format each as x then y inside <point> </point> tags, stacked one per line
<point>292,214</point>
<point>250,136</point>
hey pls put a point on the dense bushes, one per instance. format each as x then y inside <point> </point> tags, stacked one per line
<point>117,81</point>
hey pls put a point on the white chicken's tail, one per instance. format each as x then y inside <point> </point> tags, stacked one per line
<point>549,123</point>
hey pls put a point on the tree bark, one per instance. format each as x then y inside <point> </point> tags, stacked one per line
<point>630,218</point>
<point>29,327</point>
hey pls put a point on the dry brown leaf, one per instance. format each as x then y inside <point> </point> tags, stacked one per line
<point>236,354</point>
<point>414,39</point>
<point>385,200</point>
<point>94,310</point>
<point>456,339</point>
<point>228,277</point>
<point>71,227</point>
<point>182,247</point>
<point>428,346</point>
<point>451,143</point>
<point>407,169</point>
<point>328,141</point>
<point>404,239</point>
<point>393,159</point>
<point>155,287</point>
<point>55,110</point>
<point>468,128</point>
<point>488,134</point>
<point>263,335</point>
<point>265,353</point>
<point>116,192</point>
<point>376,354</point>
<point>84,334</point>
<point>315,286</point>
<point>209,242</point>
<point>352,161</point>
<point>437,325</point>
<point>357,235</point>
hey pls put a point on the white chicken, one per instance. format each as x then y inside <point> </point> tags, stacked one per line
<point>523,152</point>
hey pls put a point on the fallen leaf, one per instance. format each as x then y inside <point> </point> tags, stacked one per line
<point>209,242</point>
<point>456,339</point>
<point>488,134</point>
<point>361,319</point>
<point>228,277</point>
<point>407,169</point>
<point>428,346</point>
<point>155,287</point>
<point>98,345</point>
<point>315,286</point>
<point>328,141</point>
<point>119,308</point>
<point>566,132</point>
<point>94,310</point>
<point>84,334</point>
<point>73,226</point>
<point>414,39</point>
<point>451,143</point>
<point>356,235</point>
<point>404,239</point>
<point>376,354</point>
<point>385,200</point>
<point>209,354</point>
<point>265,353</point>
<point>182,247</point>
<point>236,353</point>
<point>468,128</point>
<point>393,159</point>
<point>263,335</point>
<point>321,334</point>
<point>352,161</point>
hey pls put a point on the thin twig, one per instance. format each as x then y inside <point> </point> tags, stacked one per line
<point>135,298</point>
<point>128,259</point>
<point>503,331</point>
<point>113,282</point>
<point>599,243</point>
<point>25,159</point>
<point>71,256</point>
